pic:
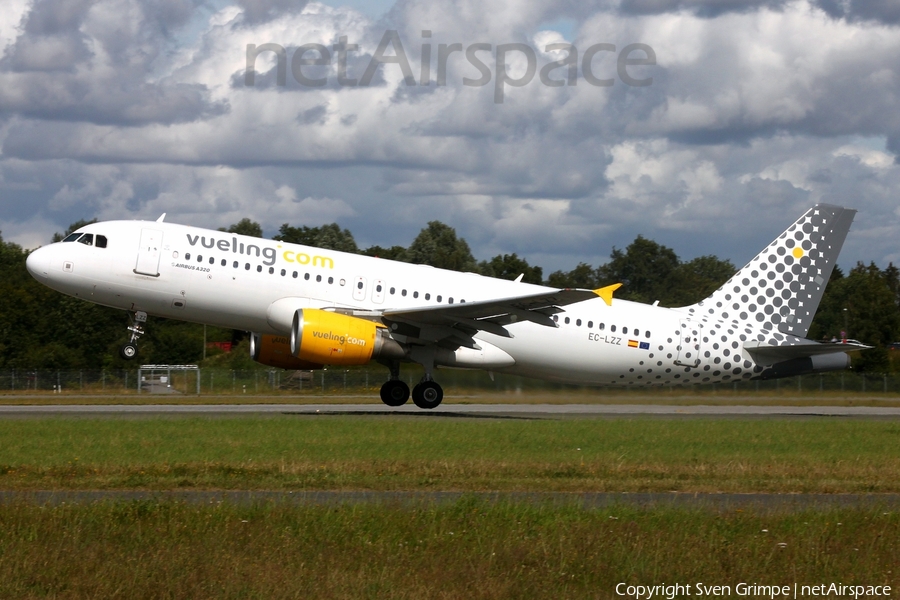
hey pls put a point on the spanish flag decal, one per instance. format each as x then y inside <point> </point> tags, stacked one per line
<point>632,343</point>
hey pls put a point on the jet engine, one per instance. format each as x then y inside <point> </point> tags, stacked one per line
<point>275,351</point>
<point>329,338</point>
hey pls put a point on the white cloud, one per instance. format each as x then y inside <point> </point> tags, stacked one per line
<point>757,111</point>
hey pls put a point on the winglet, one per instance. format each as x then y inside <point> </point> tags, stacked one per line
<point>161,218</point>
<point>607,292</point>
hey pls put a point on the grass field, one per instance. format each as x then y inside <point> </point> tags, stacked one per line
<point>470,549</point>
<point>427,453</point>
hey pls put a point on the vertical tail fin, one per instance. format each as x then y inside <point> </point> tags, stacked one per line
<point>782,286</point>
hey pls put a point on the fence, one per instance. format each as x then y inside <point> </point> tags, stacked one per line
<point>368,380</point>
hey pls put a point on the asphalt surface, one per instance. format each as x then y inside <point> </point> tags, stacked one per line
<point>455,410</point>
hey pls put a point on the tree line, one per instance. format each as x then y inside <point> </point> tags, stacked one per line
<point>41,328</point>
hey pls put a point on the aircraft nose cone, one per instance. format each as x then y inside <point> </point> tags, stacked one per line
<point>38,264</point>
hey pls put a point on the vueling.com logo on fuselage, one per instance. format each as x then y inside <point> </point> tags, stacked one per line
<point>268,253</point>
<point>340,339</point>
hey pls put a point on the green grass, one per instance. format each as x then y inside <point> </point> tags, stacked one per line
<point>470,549</point>
<point>427,453</point>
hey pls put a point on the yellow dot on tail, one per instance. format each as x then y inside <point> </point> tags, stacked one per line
<point>798,252</point>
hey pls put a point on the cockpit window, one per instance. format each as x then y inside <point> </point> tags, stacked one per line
<point>87,239</point>
<point>72,237</point>
<point>101,241</point>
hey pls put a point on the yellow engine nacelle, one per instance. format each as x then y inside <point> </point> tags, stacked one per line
<point>334,339</point>
<point>275,351</point>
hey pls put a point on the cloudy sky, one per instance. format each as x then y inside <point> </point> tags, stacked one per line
<point>753,111</point>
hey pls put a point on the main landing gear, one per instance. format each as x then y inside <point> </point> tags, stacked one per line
<point>129,349</point>
<point>394,392</point>
<point>426,394</point>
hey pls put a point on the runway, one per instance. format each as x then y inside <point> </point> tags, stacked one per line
<point>525,411</point>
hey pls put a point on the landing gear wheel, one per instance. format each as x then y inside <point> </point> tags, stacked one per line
<point>128,351</point>
<point>427,394</point>
<point>394,393</point>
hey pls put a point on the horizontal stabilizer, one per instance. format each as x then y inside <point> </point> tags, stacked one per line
<point>765,354</point>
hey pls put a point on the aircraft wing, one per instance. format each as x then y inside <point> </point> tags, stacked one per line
<point>767,354</point>
<point>535,307</point>
<point>453,325</point>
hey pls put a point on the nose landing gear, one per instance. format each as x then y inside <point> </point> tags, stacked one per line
<point>129,349</point>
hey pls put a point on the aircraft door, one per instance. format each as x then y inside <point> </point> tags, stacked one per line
<point>359,289</point>
<point>378,291</point>
<point>689,345</point>
<point>149,252</point>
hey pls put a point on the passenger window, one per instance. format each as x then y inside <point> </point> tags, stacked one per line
<point>259,268</point>
<point>331,280</point>
<point>87,239</point>
<point>199,258</point>
<point>590,324</point>
<point>72,237</point>
<point>271,270</point>
<point>224,262</point>
<point>624,330</point>
<point>392,291</point>
<point>101,241</point>
<point>601,326</point>
<point>428,296</point>
<point>318,278</point>
<point>612,328</point>
<point>403,293</point>
<point>450,300</point>
<point>415,294</point>
<point>567,320</point>
<point>283,272</point>
<point>187,256</point>
<point>359,285</point>
<point>212,261</point>
<point>236,264</point>
<point>578,322</point>
<point>306,276</point>
<point>439,298</point>
<point>294,274</point>
<point>246,266</point>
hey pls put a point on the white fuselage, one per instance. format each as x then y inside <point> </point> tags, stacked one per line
<point>232,281</point>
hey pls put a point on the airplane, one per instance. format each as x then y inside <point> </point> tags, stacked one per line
<point>309,307</point>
